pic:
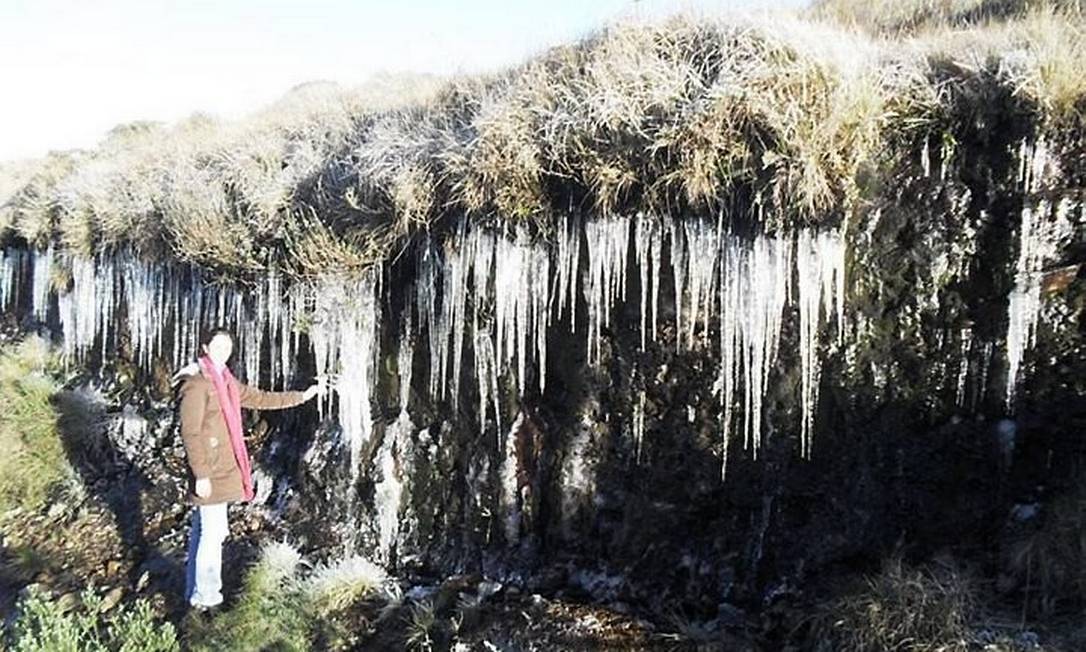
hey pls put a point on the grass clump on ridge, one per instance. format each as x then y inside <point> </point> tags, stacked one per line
<point>895,17</point>
<point>779,118</point>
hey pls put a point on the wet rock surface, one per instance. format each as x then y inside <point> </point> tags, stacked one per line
<point>934,421</point>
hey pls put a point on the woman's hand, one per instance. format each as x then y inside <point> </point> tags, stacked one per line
<point>320,387</point>
<point>188,370</point>
<point>203,487</point>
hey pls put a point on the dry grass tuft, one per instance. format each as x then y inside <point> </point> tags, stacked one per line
<point>1050,562</point>
<point>903,608</point>
<point>896,17</point>
<point>681,115</point>
<point>340,584</point>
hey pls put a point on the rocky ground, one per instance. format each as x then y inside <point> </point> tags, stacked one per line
<point>76,543</point>
<point>82,541</point>
<point>72,546</point>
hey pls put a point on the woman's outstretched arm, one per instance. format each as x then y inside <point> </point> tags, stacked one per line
<point>259,399</point>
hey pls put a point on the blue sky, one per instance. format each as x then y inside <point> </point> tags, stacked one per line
<point>72,69</point>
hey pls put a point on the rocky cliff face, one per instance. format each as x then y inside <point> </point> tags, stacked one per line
<point>647,408</point>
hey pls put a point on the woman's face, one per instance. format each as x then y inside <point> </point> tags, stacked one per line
<point>219,348</point>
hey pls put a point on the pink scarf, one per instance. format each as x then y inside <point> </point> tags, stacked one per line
<point>226,387</point>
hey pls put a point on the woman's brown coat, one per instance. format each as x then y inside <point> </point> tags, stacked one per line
<point>207,440</point>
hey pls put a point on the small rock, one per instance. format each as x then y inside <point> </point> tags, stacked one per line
<point>730,615</point>
<point>113,567</point>
<point>141,584</point>
<point>1028,639</point>
<point>488,588</point>
<point>67,602</point>
<point>111,599</point>
<point>1025,512</point>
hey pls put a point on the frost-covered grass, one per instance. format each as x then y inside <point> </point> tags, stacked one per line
<point>677,115</point>
<point>896,16</point>
<point>421,620</point>
<point>337,585</point>
<point>282,606</point>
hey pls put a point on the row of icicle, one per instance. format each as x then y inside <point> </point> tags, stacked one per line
<point>498,292</point>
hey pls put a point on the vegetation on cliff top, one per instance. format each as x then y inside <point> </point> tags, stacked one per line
<point>780,120</point>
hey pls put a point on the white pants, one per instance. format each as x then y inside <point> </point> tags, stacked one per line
<point>203,571</point>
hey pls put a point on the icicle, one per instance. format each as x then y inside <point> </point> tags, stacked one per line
<point>639,423</point>
<point>678,273</point>
<point>963,365</point>
<point>1039,240</point>
<point>1035,165</point>
<point>521,297</point>
<point>569,263</point>
<point>405,356</point>
<point>946,154</point>
<point>925,157</point>
<point>820,264</point>
<point>344,335</point>
<point>755,286</point>
<point>42,282</point>
<point>143,301</point>
<point>648,241</point>
<point>702,252</point>
<point>809,302</point>
<point>277,314</point>
<point>86,310</point>
<point>458,264</point>
<point>981,389</point>
<point>427,307</point>
<point>486,378</point>
<point>388,492</point>
<point>509,497</point>
<point>608,240</point>
<point>483,244</point>
<point>11,265</point>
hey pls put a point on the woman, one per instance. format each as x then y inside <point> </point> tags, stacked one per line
<point>211,428</point>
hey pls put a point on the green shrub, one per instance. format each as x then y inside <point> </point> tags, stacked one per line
<point>137,630</point>
<point>48,625</point>
<point>43,625</point>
